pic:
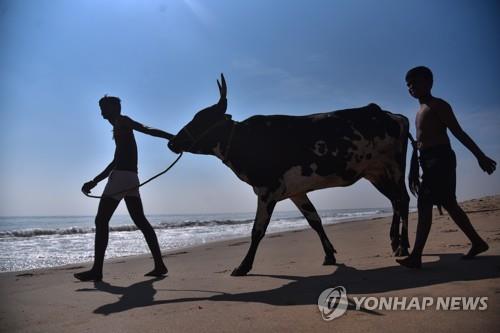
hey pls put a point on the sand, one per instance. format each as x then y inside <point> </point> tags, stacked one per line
<point>279,294</point>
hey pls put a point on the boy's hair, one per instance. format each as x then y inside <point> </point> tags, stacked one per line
<point>422,72</point>
<point>110,102</point>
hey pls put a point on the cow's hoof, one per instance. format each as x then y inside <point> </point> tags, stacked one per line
<point>401,252</point>
<point>240,271</point>
<point>329,261</point>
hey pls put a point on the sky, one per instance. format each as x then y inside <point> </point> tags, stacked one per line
<point>162,58</point>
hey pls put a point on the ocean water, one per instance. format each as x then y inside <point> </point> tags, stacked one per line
<point>48,241</point>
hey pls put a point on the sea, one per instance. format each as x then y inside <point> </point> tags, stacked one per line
<point>32,242</point>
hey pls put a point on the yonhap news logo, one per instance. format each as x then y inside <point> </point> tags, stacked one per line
<point>333,303</point>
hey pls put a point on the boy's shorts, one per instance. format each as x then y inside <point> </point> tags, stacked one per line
<point>439,175</point>
<point>119,181</point>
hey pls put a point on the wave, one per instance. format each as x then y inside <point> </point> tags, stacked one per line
<point>197,223</point>
<point>359,214</point>
<point>44,232</point>
<point>121,228</point>
<point>36,232</point>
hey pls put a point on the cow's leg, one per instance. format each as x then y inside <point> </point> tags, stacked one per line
<point>394,232</point>
<point>263,216</point>
<point>399,200</point>
<point>401,203</point>
<point>307,209</point>
<point>399,242</point>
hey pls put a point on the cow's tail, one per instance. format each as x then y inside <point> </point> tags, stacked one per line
<point>414,174</point>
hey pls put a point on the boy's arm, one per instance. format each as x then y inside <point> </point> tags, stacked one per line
<point>448,117</point>
<point>93,183</point>
<point>146,130</point>
<point>105,173</point>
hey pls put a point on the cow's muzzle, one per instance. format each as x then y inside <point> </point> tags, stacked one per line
<point>172,146</point>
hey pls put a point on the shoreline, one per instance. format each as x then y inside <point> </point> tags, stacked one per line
<point>281,291</point>
<point>183,248</point>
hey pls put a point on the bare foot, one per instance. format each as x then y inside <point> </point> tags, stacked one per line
<point>158,272</point>
<point>88,276</point>
<point>410,262</point>
<point>475,250</point>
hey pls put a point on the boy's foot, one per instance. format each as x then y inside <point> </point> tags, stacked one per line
<point>88,276</point>
<point>475,250</point>
<point>158,272</point>
<point>410,262</point>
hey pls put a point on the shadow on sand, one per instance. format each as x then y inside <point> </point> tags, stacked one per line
<point>305,290</point>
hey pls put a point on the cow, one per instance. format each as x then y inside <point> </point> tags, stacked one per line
<point>285,157</point>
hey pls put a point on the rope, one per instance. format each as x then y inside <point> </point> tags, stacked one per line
<point>135,187</point>
<point>413,142</point>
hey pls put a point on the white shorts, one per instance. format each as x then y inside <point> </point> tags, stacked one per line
<point>119,181</point>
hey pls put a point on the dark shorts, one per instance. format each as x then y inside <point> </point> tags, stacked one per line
<point>439,179</point>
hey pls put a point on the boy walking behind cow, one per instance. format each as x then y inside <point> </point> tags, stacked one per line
<point>438,163</point>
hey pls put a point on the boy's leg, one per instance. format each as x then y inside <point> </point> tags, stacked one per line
<point>134,206</point>
<point>463,222</point>
<point>414,260</point>
<point>107,207</point>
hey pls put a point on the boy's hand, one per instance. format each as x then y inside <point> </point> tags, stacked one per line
<point>487,164</point>
<point>88,186</point>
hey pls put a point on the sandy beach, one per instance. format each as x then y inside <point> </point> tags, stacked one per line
<point>279,294</point>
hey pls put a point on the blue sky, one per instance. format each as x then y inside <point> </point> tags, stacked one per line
<point>162,58</point>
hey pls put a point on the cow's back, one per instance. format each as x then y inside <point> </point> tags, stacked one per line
<point>318,150</point>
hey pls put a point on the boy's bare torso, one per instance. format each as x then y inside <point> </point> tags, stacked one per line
<point>431,130</point>
<point>126,148</point>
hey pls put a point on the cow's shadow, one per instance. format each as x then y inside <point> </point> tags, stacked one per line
<point>304,290</point>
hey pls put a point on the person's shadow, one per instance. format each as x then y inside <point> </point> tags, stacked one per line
<point>134,296</point>
<point>306,290</point>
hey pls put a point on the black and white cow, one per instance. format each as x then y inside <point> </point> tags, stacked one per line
<point>285,157</point>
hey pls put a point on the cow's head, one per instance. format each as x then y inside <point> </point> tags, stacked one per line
<point>198,136</point>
